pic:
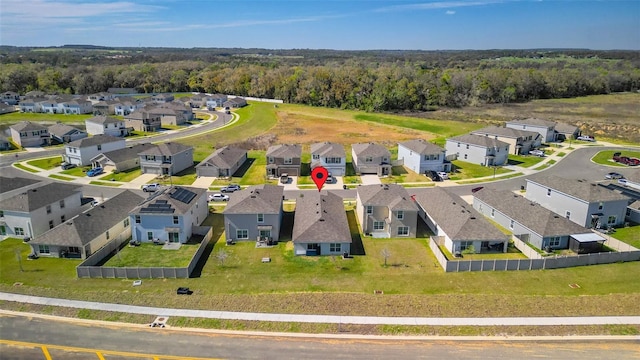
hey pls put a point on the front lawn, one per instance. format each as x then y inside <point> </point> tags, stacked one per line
<point>466,170</point>
<point>401,174</point>
<point>605,157</point>
<point>629,235</point>
<point>47,163</point>
<point>77,171</point>
<point>123,176</point>
<point>524,161</point>
<point>60,177</point>
<point>104,183</point>
<point>185,177</point>
<point>151,255</point>
<point>25,168</point>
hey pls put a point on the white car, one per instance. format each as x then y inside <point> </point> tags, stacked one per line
<point>151,187</point>
<point>586,138</point>
<point>537,152</point>
<point>218,197</point>
<point>443,175</point>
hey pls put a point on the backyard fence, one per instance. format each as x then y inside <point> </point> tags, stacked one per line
<point>90,269</point>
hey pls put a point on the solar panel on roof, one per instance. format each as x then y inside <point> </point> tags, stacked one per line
<point>183,195</point>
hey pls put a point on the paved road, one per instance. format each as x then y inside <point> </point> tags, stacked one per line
<point>60,337</point>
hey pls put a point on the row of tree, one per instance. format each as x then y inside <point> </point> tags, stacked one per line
<point>357,83</point>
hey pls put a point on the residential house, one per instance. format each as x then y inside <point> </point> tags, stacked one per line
<point>223,162</point>
<point>236,102</point>
<point>386,211</point>
<point>284,159</point>
<point>76,107</point>
<point>520,141</point>
<point>80,152</point>
<point>478,149</point>
<point>215,100</point>
<point>172,113</point>
<point>457,225</point>
<point>421,156</point>
<point>107,107</point>
<point>566,131</point>
<point>370,158</point>
<point>5,144</point>
<point>162,98</point>
<point>107,125</point>
<point>12,186</point>
<point>330,155</point>
<point>36,210</point>
<point>196,101</point>
<point>121,159</point>
<point>142,120</point>
<point>124,91</point>
<point>169,215</point>
<point>50,106</point>
<point>254,214</point>
<point>31,104</point>
<point>532,223</point>
<point>584,203</point>
<point>83,234</point>
<point>5,109</point>
<point>127,105</point>
<point>101,96</point>
<point>545,128</point>
<point>28,134</point>
<point>166,159</point>
<point>10,98</point>
<point>63,133</point>
<point>320,225</point>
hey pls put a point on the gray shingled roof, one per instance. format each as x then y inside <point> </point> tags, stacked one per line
<point>529,214</point>
<point>12,183</point>
<point>225,157</point>
<point>422,147</point>
<point>320,218</point>
<point>264,199</point>
<point>103,119</point>
<point>370,149</point>
<point>459,220</point>
<point>580,189</point>
<point>565,128</point>
<point>505,132</point>
<point>533,121</point>
<point>328,149</point>
<point>60,129</point>
<point>39,197</point>
<point>28,126</point>
<point>128,153</point>
<point>285,151</point>
<point>178,206</point>
<point>94,140</point>
<point>393,196</point>
<point>81,229</point>
<point>166,149</point>
<point>479,140</point>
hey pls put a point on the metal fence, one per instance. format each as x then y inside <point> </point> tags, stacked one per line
<point>89,268</point>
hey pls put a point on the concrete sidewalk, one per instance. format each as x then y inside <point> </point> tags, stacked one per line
<point>327,319</point>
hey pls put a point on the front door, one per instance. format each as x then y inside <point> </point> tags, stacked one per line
<point>265,234</point>
<point>174,237</point>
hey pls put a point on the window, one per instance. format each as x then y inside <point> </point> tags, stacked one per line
<point>99,147</point>
<point>48,209</point>
<point>493,212</point>
<point>458,144</point>
<point>464,245</point>
<point>467,146</point>
<point>288,160</point>
<point>368,159</point>
<point>554,241</point>
<point>333,160</point>
<point>137,219</point>
<point>61,204</point>
<point>369,209</point>
<point>3,230</point>
<point>271,159</point>
<point>1,213</point>
<point>548,192</point>
<point>260,218</point>
<point>465,156</point>
<point>62,219</point>
<point>600,206</point>
<point>567,214</point>
<point>400,215</point>
<point>18,231</point>
<point>107,234</point>
<point>511,224</point>
<point>176,220</point>
<point>242,234</point>
<point>335,247</point>
<point>403,231</point>
<point>50,224</point>
<point>611,220</point>
<point>74,249</point>
<point>44,249</point>
<point>149,235</point>
<point>126,222</point>
<point>316,157</point>
<point>378,225</point>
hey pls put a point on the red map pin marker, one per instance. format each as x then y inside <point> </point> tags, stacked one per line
<point>319,175</point>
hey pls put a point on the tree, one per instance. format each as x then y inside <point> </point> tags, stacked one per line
<point>222,255</point>
<point>386,254</point>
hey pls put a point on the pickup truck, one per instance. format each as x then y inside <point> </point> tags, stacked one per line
<point>151,187</point>
<point>586,138</point>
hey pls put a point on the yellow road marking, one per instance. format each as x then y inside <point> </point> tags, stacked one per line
<point>100,353</point>
<point>45,352</point>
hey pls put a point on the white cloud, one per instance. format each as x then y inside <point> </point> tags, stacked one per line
<point>450,12</point>
<point>436,5</point>
<point>61,9</point>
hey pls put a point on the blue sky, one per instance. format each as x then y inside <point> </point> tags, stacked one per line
<point>327,24</point>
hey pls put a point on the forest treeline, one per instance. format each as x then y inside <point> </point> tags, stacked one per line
<point>373,81</point>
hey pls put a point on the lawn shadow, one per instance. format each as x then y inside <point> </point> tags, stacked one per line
<point>197,271</point>
<point>399,170</point>
<point>357,247</point>
<point>244,168</point>
<point>349,171</point>
<point>286,227</point>
<point>514,162</point>
<point>305,169</point>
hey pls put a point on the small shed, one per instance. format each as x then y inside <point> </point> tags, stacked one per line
<point>586,243</point>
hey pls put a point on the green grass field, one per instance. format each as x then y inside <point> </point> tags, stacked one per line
<point>25,168</point>
<point>123,176</point>
<point>46,164</point>
<point>524,161</point>
<point>60,177</point>
<point>604,157</point>
<point>465,170</point>
<point>50,119</point>
<point>630,235</point>
<point>151,255</point>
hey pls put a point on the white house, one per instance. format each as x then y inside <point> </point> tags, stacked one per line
<point>478,149</point>
<point>331,156</point>
<point>545,128</point>
<point>106,125</point>
<point>26,133</point>
<point>420,156</point>
<point>80,152</point>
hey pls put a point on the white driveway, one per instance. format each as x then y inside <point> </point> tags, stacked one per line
<point>139,181</point>
<point>203,182</point>
<point>370,179</point>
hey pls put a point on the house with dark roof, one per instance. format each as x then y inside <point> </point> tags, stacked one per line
<point>126,105</point>
<point>31,104</point>
<point>83,234</point>
<point>580,201</point>
<point>371,158</point>
<point>106,107</point>
<point>80,152</point>
<point>223,162</point>
<point>5,109</point>
<point>457,225</point>
<point>162,98</point>
<point>284,158</point>
<point>520,141</point>
<point>76,107</point>
<point>534,224</point>
<point>12,186</point>
<point>215,100</point>
<point>142,120</point>
<point>543,127</point>
<point>169,215</point>
<point>166,159</point>
<point>320,225</point>
<point>478,149</point>
<point>386,211</point>
<point>421,156</point>
<point>330,155</point>
<point>63,133</point>
<point>254,214</point>
<point>566,131</point>
<point>236,102</point>
<point>10,98</point>
<point>38,209</point>
<point>121,159</point>
<point>101,96</point>
<point>173,113</point>
<point>106,125</point>
<point>28,134</point>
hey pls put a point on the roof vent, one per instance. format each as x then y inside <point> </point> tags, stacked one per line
<point>472,218</point>
<point>253,196</point>
<point>321,219</point>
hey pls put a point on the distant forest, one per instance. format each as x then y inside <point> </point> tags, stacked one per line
<point>368,80</point>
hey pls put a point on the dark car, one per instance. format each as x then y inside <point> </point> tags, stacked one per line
<point>433,175</point>
<point>184,291</point>
<point>613,175</point>
<point>67,166</point>
<point>230,188</point>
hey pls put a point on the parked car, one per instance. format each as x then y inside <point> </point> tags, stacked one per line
<point>95,172</point>
<point>184,291</point>
<point>284,178</point>
<point>613,175</point>
<point>230,188</point>
<point>151,187</point>
<point>537,152</point>
<point>67,166</point>
<point>443,175</point>
<point>586,138</point>
<point>616,156</point>
<point>433,175</point>
<point>218,197</point>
